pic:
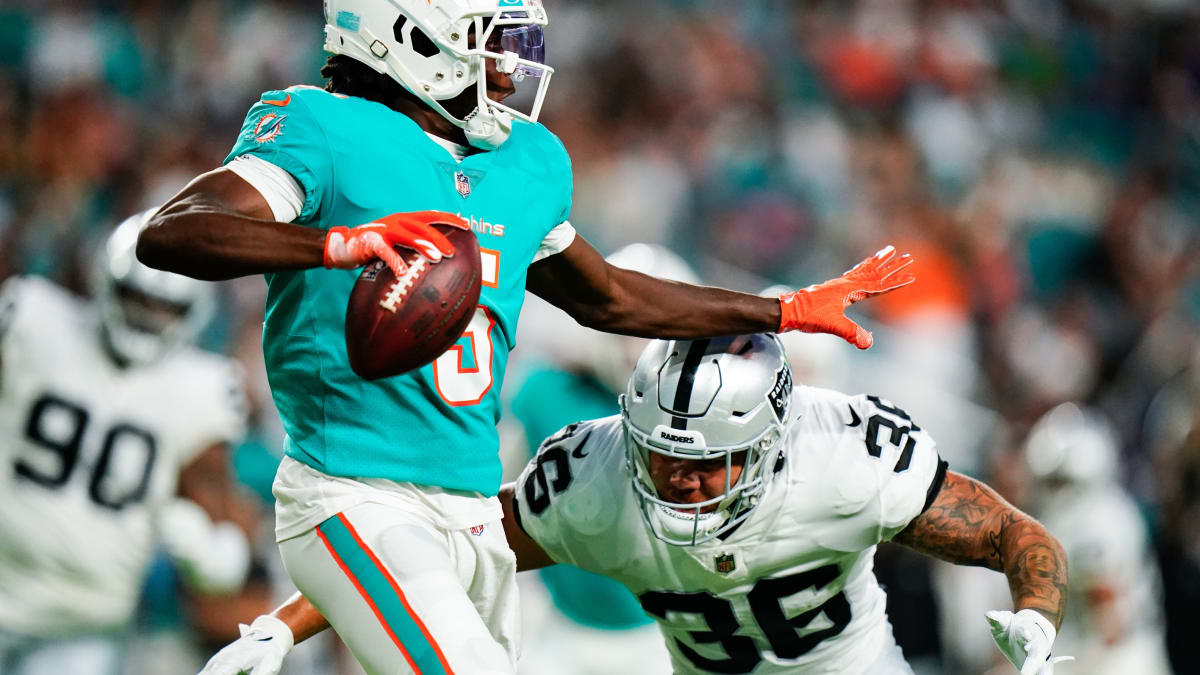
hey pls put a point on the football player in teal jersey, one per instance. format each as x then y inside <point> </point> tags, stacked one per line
<point>386,511</point>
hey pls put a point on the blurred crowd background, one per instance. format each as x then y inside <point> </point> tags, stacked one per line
<point>1040,158</point>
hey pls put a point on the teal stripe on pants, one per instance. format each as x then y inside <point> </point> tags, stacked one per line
<point>385,599</point>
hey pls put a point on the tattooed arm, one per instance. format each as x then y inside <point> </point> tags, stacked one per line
<point>969,524</point>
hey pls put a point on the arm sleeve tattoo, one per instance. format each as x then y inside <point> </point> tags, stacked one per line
<point>969,524</point>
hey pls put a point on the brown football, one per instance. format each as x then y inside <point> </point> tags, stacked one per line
<point>397,325</point>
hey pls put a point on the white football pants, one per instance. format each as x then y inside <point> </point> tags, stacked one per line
<point>409,597</point>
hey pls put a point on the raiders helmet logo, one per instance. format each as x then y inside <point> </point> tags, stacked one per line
<point>781,393</point>
<point>668,436</point>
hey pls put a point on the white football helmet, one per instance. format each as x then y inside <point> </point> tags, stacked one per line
<point>145,313</point>
<point>705,400</point>
<point>612,357</point>
<point>1072,446</point>
<point>423,45</point>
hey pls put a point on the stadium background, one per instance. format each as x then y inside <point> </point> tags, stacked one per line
<point>1041,159</point>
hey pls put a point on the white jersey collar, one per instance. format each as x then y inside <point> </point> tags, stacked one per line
<point>456,151</point>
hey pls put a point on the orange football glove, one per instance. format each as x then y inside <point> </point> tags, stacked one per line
<point>348,248</point>
<point>821,308</point>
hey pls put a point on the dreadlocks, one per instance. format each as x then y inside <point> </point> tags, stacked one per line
<point>351,77</point>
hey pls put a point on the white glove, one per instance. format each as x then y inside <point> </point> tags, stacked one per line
<point>1025,638</point>
<point>259,651</point>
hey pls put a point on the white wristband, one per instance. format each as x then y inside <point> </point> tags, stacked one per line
<point>1042,622</point>
<point>274,627</point>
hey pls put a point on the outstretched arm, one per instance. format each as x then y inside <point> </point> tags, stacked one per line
<point>969,524</point>
<point>605,297</point>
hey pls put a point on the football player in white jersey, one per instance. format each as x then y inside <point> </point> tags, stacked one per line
<point>114,434</point>
<point>744,514</point>
<point>1115,609</point>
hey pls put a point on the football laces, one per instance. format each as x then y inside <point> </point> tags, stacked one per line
<point>399,288</point>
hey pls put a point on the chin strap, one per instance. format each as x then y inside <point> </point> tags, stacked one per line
<point>488,130</point>
<point>681,526</point>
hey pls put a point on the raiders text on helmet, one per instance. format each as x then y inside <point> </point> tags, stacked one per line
<point>705,400</point>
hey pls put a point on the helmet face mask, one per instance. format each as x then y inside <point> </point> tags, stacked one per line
<point>438,49</point>
<point>145,313</point>
<point>738,393</point>
<point>687,524</point>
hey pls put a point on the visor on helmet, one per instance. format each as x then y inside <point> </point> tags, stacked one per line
<point>519,49</point>
<point>529,44</point>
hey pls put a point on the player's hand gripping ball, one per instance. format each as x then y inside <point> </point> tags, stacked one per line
<point>349,248</point>
<point>396,323</point>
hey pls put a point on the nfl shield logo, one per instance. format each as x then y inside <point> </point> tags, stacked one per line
<point>372,271</point>
<point>462,183</point>
<point>725,563</point>
<point>477,530</point>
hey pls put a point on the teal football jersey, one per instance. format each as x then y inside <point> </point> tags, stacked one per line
<point>358,161</point>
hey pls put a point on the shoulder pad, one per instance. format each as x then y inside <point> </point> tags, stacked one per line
<point>869,461</point>
<point>576,478</point>
<point>283,98</point>
<point>548,159</point>
<point>27,302</point>
<point>286,129</point>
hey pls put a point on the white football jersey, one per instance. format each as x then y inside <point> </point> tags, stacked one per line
<point>87,452</point>
<point>790,590</point>
<point>1107,546</point>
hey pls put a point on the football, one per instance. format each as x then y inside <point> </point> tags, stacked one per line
<point>397,325</point>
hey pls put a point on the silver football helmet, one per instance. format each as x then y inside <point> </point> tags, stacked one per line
<point>145,313</point>
<point>424,45</point>
<point>704,400</point>
<point>1072,446</point>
